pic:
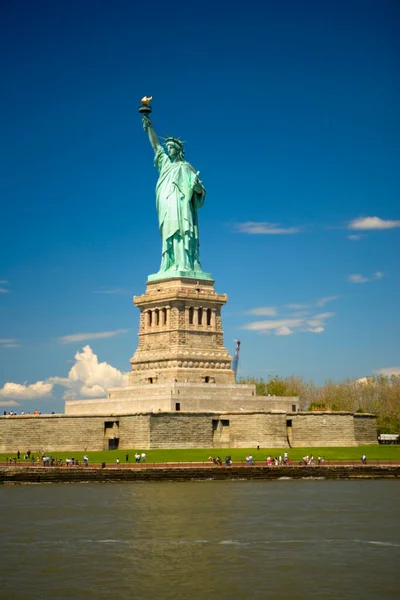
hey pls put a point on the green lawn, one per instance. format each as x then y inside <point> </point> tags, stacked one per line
<point>376,452</point>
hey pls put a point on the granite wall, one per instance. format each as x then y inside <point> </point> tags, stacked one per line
<point>53,433</point>
<point>365,431</point>
<point>314,429</point>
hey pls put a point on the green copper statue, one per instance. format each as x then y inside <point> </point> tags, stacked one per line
<point>179,194</point>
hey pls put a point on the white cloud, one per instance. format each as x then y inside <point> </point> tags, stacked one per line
<point>263,311</point>
<point>325,300</point>
<point>110,291</point>
<point>9,403</point>
<point>284,330</point>
<point>388,371</point>
<point>320,302</point>
<point>273,324</point>
<point>287,326</point>
<point>297,306</point>
<point>366,223</point>
<point>356,236</point>
<point>8,343</point>
<point>264,228</point>
<point>26,392</point>
<point>4,290</point>
<point>357,278</point>
<point>325,315</point>
<point>88,377</point>
<point>318,321</point>
<point>82,337</point>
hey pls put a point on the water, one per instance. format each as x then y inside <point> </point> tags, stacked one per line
<point>235,540</point>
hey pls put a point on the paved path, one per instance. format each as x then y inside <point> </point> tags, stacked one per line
<point>205,465</point>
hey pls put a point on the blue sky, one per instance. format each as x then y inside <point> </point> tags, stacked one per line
<point>290,112</point>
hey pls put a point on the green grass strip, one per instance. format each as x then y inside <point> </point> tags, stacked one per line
<point>375,452</point>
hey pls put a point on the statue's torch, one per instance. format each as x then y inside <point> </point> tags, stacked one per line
<point>145,108</point>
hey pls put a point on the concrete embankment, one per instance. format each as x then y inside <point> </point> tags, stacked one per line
<point>17,475</point>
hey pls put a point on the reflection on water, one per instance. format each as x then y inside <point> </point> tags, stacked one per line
<point>201,540</point>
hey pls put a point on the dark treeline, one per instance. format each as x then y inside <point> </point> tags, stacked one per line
<point>379,395</point>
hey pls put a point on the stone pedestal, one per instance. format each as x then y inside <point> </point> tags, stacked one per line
<point>180,334</point>
<point>171,397</point>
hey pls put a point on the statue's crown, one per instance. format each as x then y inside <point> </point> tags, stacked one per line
<point>176,141</point>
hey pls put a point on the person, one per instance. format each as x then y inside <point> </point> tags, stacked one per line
<point>137,457</point>
<point>179,195</point>
<point>18,454</point>
<point>126,457</point>
<point>85,460</point>
<point>143,457</point>
<point>364,459</point>
<point>117,461</point>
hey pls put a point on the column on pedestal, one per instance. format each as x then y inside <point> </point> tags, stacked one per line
<point>213,319</point>
<point>168,317</point>
<point>196,316</point>
<point>147,314</point>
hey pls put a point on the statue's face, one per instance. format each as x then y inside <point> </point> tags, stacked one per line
<point>172,151</point>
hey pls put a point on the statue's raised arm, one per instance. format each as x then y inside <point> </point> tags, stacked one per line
<point>153,138</point>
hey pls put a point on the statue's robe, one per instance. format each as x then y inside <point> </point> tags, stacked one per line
<point>177,205</point>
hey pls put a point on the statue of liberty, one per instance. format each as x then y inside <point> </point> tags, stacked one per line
<point>179,195</point>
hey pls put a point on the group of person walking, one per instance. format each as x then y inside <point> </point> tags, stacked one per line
<point>139,458</point>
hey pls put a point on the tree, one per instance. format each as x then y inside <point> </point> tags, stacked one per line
<point>379,395</point>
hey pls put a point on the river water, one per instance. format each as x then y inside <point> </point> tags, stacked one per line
<point>235,540</point>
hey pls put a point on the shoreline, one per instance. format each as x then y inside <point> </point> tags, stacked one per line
<point>21,475</point>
